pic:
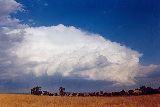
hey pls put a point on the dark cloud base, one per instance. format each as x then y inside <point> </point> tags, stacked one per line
<point>52,83</point>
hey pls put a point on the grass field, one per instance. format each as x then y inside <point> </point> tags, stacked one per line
<point>22,100</point>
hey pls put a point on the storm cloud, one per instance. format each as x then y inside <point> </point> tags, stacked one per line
<point>72,52</point>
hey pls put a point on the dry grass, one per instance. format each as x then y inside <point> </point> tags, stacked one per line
<point>20,100</point>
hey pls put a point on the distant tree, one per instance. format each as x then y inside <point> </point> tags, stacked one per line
<point>143,89</point>
<point>123,92</point>
<point>101,92</point>
<point>130,92</point>
<point>36,90</point>
<point>61,91</point>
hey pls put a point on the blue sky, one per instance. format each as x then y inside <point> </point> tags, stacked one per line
<point>134,23</point>
<point>83,45</point>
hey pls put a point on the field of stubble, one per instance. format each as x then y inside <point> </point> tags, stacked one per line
<point>22,100</point>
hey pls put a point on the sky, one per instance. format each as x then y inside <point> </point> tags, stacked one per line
<point>83,45</point>
<point>123,21</point>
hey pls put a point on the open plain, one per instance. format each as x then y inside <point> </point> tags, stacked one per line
<point>27,100</point>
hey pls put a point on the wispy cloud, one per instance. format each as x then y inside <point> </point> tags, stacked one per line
<point>45,4</point>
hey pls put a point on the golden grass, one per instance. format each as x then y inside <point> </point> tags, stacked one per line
<point>22,100</point>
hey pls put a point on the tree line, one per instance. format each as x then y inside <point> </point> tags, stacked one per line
<point>143,90</point>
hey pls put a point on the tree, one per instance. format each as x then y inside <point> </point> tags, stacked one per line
<point>61,91</point>
<point>36,90</point>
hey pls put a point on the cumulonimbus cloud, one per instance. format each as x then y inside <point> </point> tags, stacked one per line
<point>72,52</point>
<point>65,50</point>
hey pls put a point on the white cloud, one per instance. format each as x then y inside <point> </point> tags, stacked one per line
<point>8,7</point>
<point>75,53</point>
<point>65,50</point>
